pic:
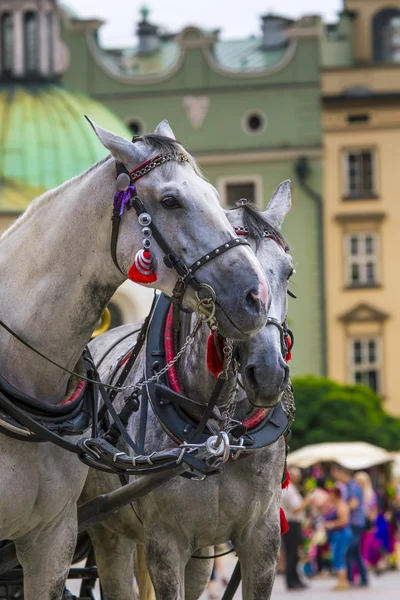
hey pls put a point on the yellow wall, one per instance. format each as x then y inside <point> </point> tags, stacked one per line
<point>380,79</point>
<point>382,133</point>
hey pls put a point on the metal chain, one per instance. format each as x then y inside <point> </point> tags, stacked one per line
<point>288,403</point>
<point>160,160</point>
<point>140,384</point>
<point>230,408</point>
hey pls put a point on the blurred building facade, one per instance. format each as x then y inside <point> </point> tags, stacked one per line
<point>248,110</point>
<point>361,132</point>
<point>44,138</point>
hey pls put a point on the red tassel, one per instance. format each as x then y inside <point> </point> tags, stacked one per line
<point>289,347</point>
<point>286,481</point>
<point>284,523</point>
<point>215,353</point>
<point>143,270</point>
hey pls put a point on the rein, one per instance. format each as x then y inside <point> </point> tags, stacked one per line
<point>201,452</point>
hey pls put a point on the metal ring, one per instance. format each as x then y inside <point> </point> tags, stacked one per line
<point>146,243</point>
<point>146,231</point>
<point>213,295</point>
<point>144,219</point>
<point>205,310</point>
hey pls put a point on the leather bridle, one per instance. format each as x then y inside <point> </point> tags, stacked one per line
<point>186,274</point>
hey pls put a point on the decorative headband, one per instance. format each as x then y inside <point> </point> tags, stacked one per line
<point>267,233</point>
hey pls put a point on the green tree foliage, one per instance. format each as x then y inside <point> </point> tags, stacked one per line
<point>330,412</point>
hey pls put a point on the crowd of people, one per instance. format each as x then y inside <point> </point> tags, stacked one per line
<point>340,525</point>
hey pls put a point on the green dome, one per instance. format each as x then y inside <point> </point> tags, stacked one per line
<point>45,138</point>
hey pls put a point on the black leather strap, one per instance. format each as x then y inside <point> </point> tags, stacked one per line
<point>216,393</point>
<point>116,221</point>
<point>217,252</point>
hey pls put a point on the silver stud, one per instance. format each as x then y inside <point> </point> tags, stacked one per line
<point>190,270</point>
<point>144,219</point>
<point>237,240</point>
<point>198,263</point>
<point>217,251</point>
<point>207,257</point>
<point>146,231</point>
<point>226,245</point>
<point>146,243</point>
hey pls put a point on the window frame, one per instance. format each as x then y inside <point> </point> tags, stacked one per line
<point>7,31</point>
<point>223,182</point>
<point>31,36</point>
<point>349,259</point>
<point>347,195</point>
<point>366,366</point>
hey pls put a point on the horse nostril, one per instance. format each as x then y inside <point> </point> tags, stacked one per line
<point>251,376</point>
<point>252,302</point>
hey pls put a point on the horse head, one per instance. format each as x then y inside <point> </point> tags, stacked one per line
<point>184,209</point>
<point>264,372</point>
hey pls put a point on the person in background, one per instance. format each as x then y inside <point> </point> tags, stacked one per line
<point>369,543</point>
<point>293,504</point>
<point>319,501</point>
<point>337,525</point>
<point>353,495</point>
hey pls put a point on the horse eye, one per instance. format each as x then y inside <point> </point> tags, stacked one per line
<point>291,273</point>
<point>169,202</point>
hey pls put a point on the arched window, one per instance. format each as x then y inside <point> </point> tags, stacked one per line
<point>6,32</point>
<point>385,35</point>
<point>31,39</point>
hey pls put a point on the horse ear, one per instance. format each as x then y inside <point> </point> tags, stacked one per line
<point>165,130</point>
<point>280,204</point>
<point>118,146</point>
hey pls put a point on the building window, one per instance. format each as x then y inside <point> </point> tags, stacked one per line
<point>136,126</point>
<point>365,362</point>
<point>386,35</point>
<point>50,41</point>
<point>31,39</point>
<point>254,121</point>
<point>362,259</point>
<point>235,187</point>
<point>359,174</point>
<point>236,191</point>
<point>7,27</point>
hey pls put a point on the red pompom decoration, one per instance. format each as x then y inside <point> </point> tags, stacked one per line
<point>215,353</point>
<point>284,523</point>
<point>143,269</point>
<point>286,481</point>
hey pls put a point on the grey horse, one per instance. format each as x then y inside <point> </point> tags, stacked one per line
<point>241,504</point>
<point>57,275</point>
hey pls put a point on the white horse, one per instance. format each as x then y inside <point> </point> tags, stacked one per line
<point>241,504</point>
<point>57,275</point>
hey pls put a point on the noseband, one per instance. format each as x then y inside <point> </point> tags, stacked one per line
<point>286,335</point>
<point>171,259</point>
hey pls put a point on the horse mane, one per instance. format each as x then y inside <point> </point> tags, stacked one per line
<point>166,145</point>
<point>256,223</point>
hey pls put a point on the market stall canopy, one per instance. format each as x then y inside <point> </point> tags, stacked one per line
<point>352,455</point>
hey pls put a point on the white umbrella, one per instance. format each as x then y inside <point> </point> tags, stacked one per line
<point>352,455</point>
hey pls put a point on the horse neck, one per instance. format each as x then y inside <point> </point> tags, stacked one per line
<point>197,382</point>
<point>57,277</point>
